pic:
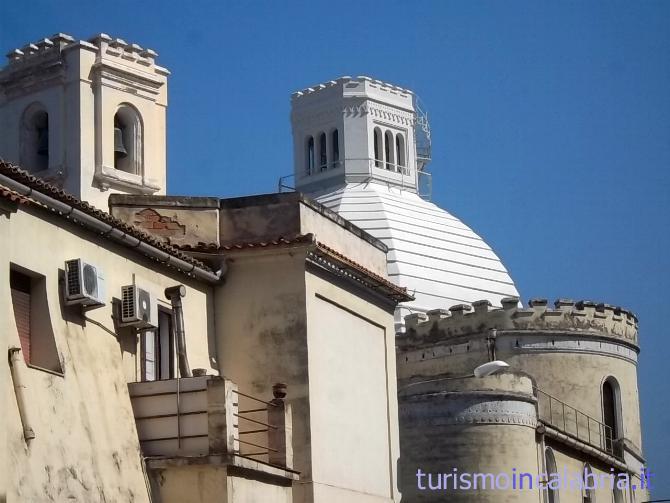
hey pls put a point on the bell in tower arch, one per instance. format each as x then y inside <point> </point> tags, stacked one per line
<point>119,148</point>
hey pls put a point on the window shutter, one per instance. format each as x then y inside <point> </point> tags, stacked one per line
<point>20,289</point>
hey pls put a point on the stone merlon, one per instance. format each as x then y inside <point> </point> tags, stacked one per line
<point>567,316</point>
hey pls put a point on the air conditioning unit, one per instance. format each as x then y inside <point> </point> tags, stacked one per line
<point>84,284</point>
<point>138,308</point>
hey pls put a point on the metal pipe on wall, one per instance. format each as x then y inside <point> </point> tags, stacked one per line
<point>20,389</point>
<point>175,294</point>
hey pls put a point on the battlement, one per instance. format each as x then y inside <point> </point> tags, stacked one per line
<point>566,316</point>
<point>37,53</point>
<point>377,85</point>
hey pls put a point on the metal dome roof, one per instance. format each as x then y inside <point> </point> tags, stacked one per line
<point>436,256</point>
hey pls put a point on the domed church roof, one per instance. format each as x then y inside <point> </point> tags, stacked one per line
<point>361,147</point>
<point>435,255</point>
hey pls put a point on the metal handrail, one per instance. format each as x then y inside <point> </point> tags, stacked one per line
<point>567,419</point>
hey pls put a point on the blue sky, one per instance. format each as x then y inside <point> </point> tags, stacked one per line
<point>551,125</point>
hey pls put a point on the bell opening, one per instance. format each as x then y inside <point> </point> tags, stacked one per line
<point>120,151</point>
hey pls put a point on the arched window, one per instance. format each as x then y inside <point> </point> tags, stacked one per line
<point>323,152</point>
<point>34,138</point>
<point>335,148</point>
<point>128,154</point>
<point>590,482</point>
<point>550,464</point>
<point>378,147</point>
<point>388,150</point>
<point>612,412</point>
<point>400,150</point>
<point>309,158</point>
<point>618,495</point>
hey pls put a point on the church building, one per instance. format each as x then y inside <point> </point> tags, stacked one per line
<point>330,342</point>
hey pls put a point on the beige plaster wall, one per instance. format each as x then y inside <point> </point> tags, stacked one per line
<point>271,327</point>
<point>570,463</point>
<point>352,395</point>
<point>214,484</point>
<point>86,445</point>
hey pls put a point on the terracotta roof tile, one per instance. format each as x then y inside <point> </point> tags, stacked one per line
<point>345,265</point>
<point>13,196</point>
<point>19,175</point>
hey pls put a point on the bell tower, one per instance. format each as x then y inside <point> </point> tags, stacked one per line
<point>358,129</point>
<point>87,116</point>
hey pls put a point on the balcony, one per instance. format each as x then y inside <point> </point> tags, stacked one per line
<point>577,426</point>
<point>207,419</point>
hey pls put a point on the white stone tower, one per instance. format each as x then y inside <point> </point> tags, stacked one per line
<point>360,149</point>
<point>88,116</point>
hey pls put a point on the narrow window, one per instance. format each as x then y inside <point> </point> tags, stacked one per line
<point>128,140</point>
<point>611,413</point>
<point>378,147</point>
<point>309,161</point>
<point>33,321</point>
<point>323,149</point>
<point>618,495</point>
<point>590,481</point>
<point>400,151</point>
<point>158,352</point>
<point>550,464</point>
<point>335,141</point>
<point>34,138</point>
<point>21,289</point>
<point>388,150</point>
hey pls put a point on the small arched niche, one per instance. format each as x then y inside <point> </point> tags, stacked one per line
<point>612,413</point>
<point>309,155</point>
<point>551,468</point>
<point>34,138</point>
<point>379,148</point>
<point>127,140</point>
<point>400,151</point>
<point>389,151</point>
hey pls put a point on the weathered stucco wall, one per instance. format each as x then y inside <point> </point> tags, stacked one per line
<point>271,327</point>
<point>214,484</point>
<point>182,220</point>
<point>261,334</point>
<point>86,445</point>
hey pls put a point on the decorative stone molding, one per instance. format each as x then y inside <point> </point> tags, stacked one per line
<point>474,407</point>
<point>568,316</point>
<point>390,114</point>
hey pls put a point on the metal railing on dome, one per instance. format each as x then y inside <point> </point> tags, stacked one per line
<point>406,179</point>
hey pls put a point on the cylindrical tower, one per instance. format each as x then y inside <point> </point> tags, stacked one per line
<point>465,439</point>
<point>582,357</point>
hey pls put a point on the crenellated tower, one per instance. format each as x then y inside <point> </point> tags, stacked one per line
<point>86,115</point>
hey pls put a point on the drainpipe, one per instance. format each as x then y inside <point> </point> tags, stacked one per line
<point>20,389</point>
<point>175,294</point>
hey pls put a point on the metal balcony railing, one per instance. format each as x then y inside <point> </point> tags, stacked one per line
<point>575,423</point>
<point>208,415</point>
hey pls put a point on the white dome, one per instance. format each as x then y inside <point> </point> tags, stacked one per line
<point>440,260</point>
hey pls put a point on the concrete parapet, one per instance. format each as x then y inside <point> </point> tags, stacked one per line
<point>105,45</point>
<point>566,316</point>
<point>377,84</point>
